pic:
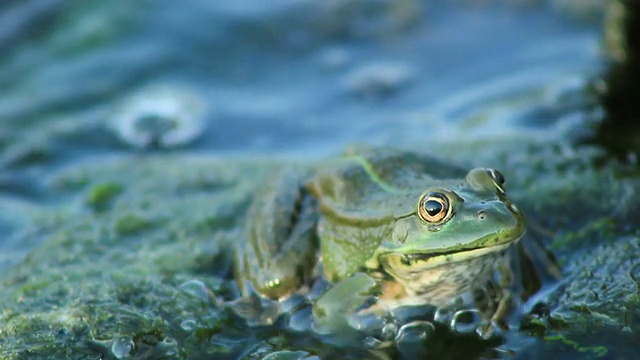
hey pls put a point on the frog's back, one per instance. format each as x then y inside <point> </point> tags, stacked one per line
<point>368,175</point>
<point>397,166</point>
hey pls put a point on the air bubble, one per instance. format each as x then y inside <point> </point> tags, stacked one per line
<point>412,338</point>
<point>168,346</point>
<point>287,355</point>
<point>465,321</point>
<point>415,331</point>
<point>389,331</point>
<point>408,313</point>
<point>197,289</point>
<point>170,341</point>
<point>443,316</point>
<point>122,347</point>
<point>188,325</point>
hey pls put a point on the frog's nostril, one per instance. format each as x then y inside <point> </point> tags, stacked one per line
<point>481,215</point>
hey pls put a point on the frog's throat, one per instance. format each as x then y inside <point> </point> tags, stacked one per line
<point>443,276</point>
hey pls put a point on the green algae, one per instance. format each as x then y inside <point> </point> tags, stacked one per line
<point>96,288</point>
<point>605,227</point>
<point>132,224</point>
<point>590,352</point>
<point>101,195</point>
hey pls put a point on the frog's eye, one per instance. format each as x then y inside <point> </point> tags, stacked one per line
<point>434,207</point>
<point>497,178</point>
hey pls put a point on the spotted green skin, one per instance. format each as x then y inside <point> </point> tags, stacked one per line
<point>359,215</point>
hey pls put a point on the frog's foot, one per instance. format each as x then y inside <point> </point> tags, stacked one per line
<point>255,309</point>
<point>337,309</point>
<point>499,317</point>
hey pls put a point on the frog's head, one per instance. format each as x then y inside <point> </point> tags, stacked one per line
<point>453,221</point>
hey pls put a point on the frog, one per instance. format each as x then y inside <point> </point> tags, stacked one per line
<point>399,225</point>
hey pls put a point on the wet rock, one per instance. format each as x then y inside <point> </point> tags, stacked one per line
<point>90,291</point>
<point>602,289</point>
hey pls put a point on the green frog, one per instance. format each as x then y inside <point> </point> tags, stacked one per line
<point>402,226</point>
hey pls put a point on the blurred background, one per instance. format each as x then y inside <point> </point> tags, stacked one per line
<point>302,77</point>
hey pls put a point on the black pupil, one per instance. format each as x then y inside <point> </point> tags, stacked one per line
<point>433,207</point>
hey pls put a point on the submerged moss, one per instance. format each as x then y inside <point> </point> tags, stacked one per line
<point>101,195</point>
<point>94,290</point>
<point>131,224</point>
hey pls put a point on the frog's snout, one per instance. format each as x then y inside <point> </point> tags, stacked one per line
<point>498,212</point>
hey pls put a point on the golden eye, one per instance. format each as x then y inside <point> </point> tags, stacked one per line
<point>434,207</point>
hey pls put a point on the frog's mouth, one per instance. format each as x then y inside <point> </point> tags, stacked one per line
<point>447,257</point>
<point>495,244</point>
<point>412,258</point>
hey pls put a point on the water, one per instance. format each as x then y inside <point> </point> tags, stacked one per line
<point>276,79</point>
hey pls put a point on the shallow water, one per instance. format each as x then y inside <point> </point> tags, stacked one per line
<point>302,79</point>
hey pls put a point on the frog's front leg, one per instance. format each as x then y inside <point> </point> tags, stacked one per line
<point>333,309</point>
<point>278,250</point>
<point>494,301</point>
